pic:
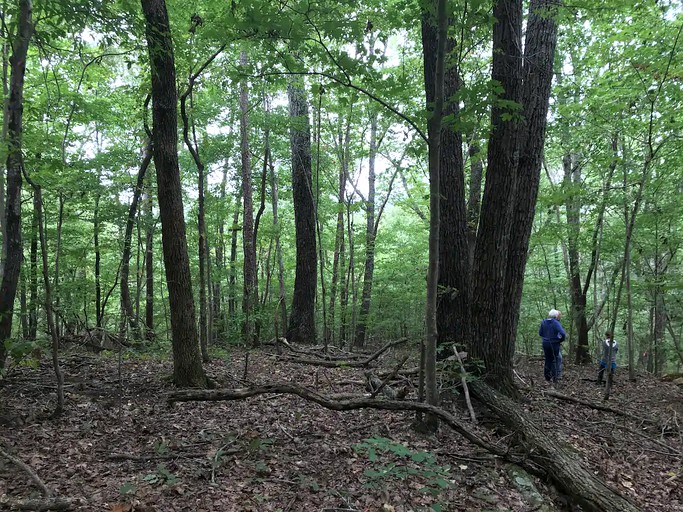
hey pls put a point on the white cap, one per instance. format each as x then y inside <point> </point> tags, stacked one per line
<point>553,313</point>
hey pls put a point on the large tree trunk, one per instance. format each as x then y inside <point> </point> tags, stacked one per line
<point>3,140</point>
<point>453,302</point>
<point>474,201</point>
<point>15,166</point>
<point>250,299</point>
<point>370,236</point>
<point>301,328</point>
<point>127,314</point>
<point>187,364</point>
<point>493,239</point>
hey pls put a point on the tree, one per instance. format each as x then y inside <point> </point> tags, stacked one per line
<point>301,326</point>
<point>15,167</point>
<point>187,365</point>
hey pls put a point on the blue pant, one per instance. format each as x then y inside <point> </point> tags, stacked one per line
<point>552,369</point>
<point>603,364</point>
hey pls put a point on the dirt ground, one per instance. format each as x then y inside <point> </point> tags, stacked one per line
<point>119,447</point>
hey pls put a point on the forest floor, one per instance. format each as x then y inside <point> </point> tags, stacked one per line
<point>119,447</point>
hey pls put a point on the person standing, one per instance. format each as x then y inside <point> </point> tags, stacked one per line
<point>552,333</point>
<point>609,353</point>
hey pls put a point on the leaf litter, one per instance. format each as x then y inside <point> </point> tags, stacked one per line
<point>120,448</point>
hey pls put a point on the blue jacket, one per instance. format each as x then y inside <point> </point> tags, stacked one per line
<point>551,331</point>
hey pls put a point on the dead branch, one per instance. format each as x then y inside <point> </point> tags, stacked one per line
<point>315,353</point>
<point>22,465</point>
<point>349,364</point>
<point>466,389</point>
<point>564,466</point>
<point>214,395</point>
<point>165,456</point>
<point>389,377</point>
<point>39,505</point>
<point>595,406</point>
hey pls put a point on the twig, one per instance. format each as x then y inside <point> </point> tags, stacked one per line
<point>389,377</point>
<point>350,364</point>
<point>37,505</point>
<point>463,379</point>
<point>21,464</point>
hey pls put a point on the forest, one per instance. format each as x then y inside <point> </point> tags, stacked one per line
<point>293,255</point>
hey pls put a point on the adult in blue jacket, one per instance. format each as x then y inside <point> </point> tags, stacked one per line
<point>553,334</point>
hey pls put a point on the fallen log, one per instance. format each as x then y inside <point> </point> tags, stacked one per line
<point>349,364</point>
<point>315,353</point>
<point>563,465</point>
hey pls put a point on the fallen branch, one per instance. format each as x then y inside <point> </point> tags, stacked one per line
<point>466,389</point>
<point>215,395</point>
<point>315,353</point>
<point>350,364</point>
<point>166,456</point>
<point>39,505</point>
<point>22,465</point>
<point>564,466</point>
<point>389,377</point>
<point>595,406</point>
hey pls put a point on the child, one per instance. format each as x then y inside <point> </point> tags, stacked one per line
<point>609,342</point>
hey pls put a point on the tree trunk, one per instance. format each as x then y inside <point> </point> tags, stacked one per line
<point>3,141</point>
<point>282,299</point>
<point>127,314</point>
<point>149,266</point>
<point>187,364</point>
<point>99,310</point>
<point>436,17</point>
<point>15,166</point>
<point>343,150</point>
<point>250,298</point>
<point>370,236</point>
<point>58,258</point>
<point>301,328</point>
<point>493,240</point>
<point>49,313</point>
<point>232,282</point>
<point>33,283</point>
<point>347,279</point>
<point>453,301</point>
<point>539,55</point>
<point>474,202</point>
<point>218,320</point>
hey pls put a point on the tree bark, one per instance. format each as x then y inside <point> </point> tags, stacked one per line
<point>127,314</point>
<point>370,236</point>
<point>187,364</point>
<point>437,13</point>
<point>493,239</point>
<point>301,328</point>
<point>33,280</point>
<point>149,266</point>
<point>282,298</point>
<point>99,310</point>
<point>15,166</point>
<point>453,301</point>
<point>250,298</point>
